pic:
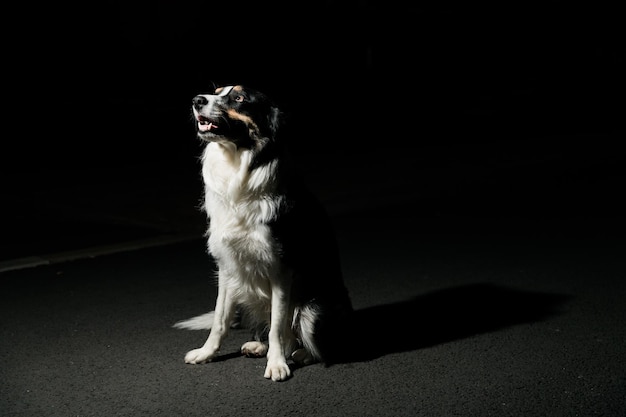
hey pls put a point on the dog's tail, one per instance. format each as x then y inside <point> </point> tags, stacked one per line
<point>201,322</point>
<point>205,321</point>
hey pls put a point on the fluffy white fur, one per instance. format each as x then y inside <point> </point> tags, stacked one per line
<point>201,322</point>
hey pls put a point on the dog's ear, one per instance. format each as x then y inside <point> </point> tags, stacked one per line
<point>275,121</point>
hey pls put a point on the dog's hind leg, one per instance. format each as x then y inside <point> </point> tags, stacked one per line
<point>224,312</point>
<point>304,326</point>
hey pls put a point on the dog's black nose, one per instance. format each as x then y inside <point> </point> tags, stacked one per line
<point>199,101</point>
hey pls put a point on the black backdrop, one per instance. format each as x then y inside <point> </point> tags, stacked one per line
<point>95,85</point>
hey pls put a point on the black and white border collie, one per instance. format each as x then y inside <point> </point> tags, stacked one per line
<point>278,264</point>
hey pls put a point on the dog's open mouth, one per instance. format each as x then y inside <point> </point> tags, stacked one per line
<point>207,125</point>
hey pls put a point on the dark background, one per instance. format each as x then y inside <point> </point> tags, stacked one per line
<point>519,107</point>
<point>470,155</point>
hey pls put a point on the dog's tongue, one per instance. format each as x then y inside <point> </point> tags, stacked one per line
<point>206,127</point>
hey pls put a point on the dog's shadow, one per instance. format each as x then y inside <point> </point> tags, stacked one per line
<point>439,317</point>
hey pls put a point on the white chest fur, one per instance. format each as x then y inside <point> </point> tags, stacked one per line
<point>239,203</point>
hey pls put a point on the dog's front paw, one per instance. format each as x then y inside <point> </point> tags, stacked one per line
<point>254,349</point>
<point>198,356</point>
<point>277,371</point>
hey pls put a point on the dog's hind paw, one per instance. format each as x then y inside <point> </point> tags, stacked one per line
<point>302,357</point>
<point>198,356</point>
<point>254,349</point>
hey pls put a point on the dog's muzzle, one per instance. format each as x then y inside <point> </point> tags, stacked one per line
<point>206,114</point>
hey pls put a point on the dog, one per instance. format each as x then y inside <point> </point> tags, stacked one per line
<point>278,263</point>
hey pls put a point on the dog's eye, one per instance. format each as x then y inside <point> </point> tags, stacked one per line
<point>239,99</point>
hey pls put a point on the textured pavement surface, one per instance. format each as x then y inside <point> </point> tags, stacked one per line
<point>463,308</point>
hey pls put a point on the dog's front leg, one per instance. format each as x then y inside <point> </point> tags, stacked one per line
<point>281,338</point>
<point>224,312</point>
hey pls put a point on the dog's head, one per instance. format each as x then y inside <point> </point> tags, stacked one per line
<point>237,114</point>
